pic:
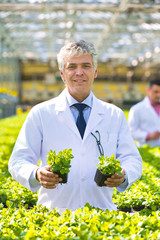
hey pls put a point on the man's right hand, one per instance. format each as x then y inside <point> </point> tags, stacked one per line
<point>46,178</point>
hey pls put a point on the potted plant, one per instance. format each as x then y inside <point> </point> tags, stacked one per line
<point>106,167</point>
<point>60,163</point>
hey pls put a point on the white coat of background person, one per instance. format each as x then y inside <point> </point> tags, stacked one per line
<point>52,125</point>
<point>144,117</point>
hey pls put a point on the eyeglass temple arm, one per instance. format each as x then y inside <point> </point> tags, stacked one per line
<point>98,143</point>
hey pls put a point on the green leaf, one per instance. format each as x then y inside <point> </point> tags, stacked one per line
<point>119,173</point>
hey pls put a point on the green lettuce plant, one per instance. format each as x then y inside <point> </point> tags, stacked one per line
<point>60,162</point>
<point>109,165</point>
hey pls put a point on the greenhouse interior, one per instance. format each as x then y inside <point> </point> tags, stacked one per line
<point>125,34</point>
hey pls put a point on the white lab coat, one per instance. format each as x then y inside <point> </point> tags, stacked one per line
<point>50,125</point>
<point>142,120</point>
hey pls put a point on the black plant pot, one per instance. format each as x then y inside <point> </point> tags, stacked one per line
<point>63,176</point>
<point>138,208</point>
<point>125,209</point>
<point>100,178</point>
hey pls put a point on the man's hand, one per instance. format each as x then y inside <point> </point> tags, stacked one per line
<point>115,180</point>
<point>153,136</point>
<point>46,178</point>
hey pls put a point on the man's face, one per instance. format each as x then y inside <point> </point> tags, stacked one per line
<point>79,75</point>
<point>154,93</point>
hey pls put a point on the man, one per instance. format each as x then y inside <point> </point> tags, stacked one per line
<point>52,125</point>
<point>144,117</point>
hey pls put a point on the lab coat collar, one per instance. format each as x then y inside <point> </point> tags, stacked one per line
<point>61,102</point>
<point>147,101</point>
<point>147,104</point>
<point>96,116</point>
<point>64,113</point>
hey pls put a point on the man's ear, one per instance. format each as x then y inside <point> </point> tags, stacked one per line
<point>147,90</point>
<point>62,76</point>
<point>95,73</point>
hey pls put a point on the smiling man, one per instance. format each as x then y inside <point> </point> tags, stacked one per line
<point>144,117</point>
<point>78,75</point>
<point>72,120</point>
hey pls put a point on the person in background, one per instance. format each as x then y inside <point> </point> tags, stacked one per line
<point>52,125</point>
<point>144,117</point>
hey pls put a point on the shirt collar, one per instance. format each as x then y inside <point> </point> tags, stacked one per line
<point>88,101</point>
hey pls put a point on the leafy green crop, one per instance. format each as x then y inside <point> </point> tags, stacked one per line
<point>21,219</point>
<point>60,162</point>
<point>109,165</point>
<point>86,223</point>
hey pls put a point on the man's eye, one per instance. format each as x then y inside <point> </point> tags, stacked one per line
<point>71,67</point>
<point>87,66</point>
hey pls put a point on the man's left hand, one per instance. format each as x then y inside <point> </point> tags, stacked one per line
<point>115,180</point>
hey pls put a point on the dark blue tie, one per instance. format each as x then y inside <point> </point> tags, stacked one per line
<point>81,124</point>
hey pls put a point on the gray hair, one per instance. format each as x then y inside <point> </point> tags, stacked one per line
<point>73,49</point>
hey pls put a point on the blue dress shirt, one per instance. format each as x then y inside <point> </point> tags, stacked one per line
<point>86,112</point>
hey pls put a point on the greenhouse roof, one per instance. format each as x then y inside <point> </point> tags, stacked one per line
<point>125,32</point>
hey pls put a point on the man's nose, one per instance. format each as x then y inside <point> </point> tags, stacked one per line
<point>79,70</point>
